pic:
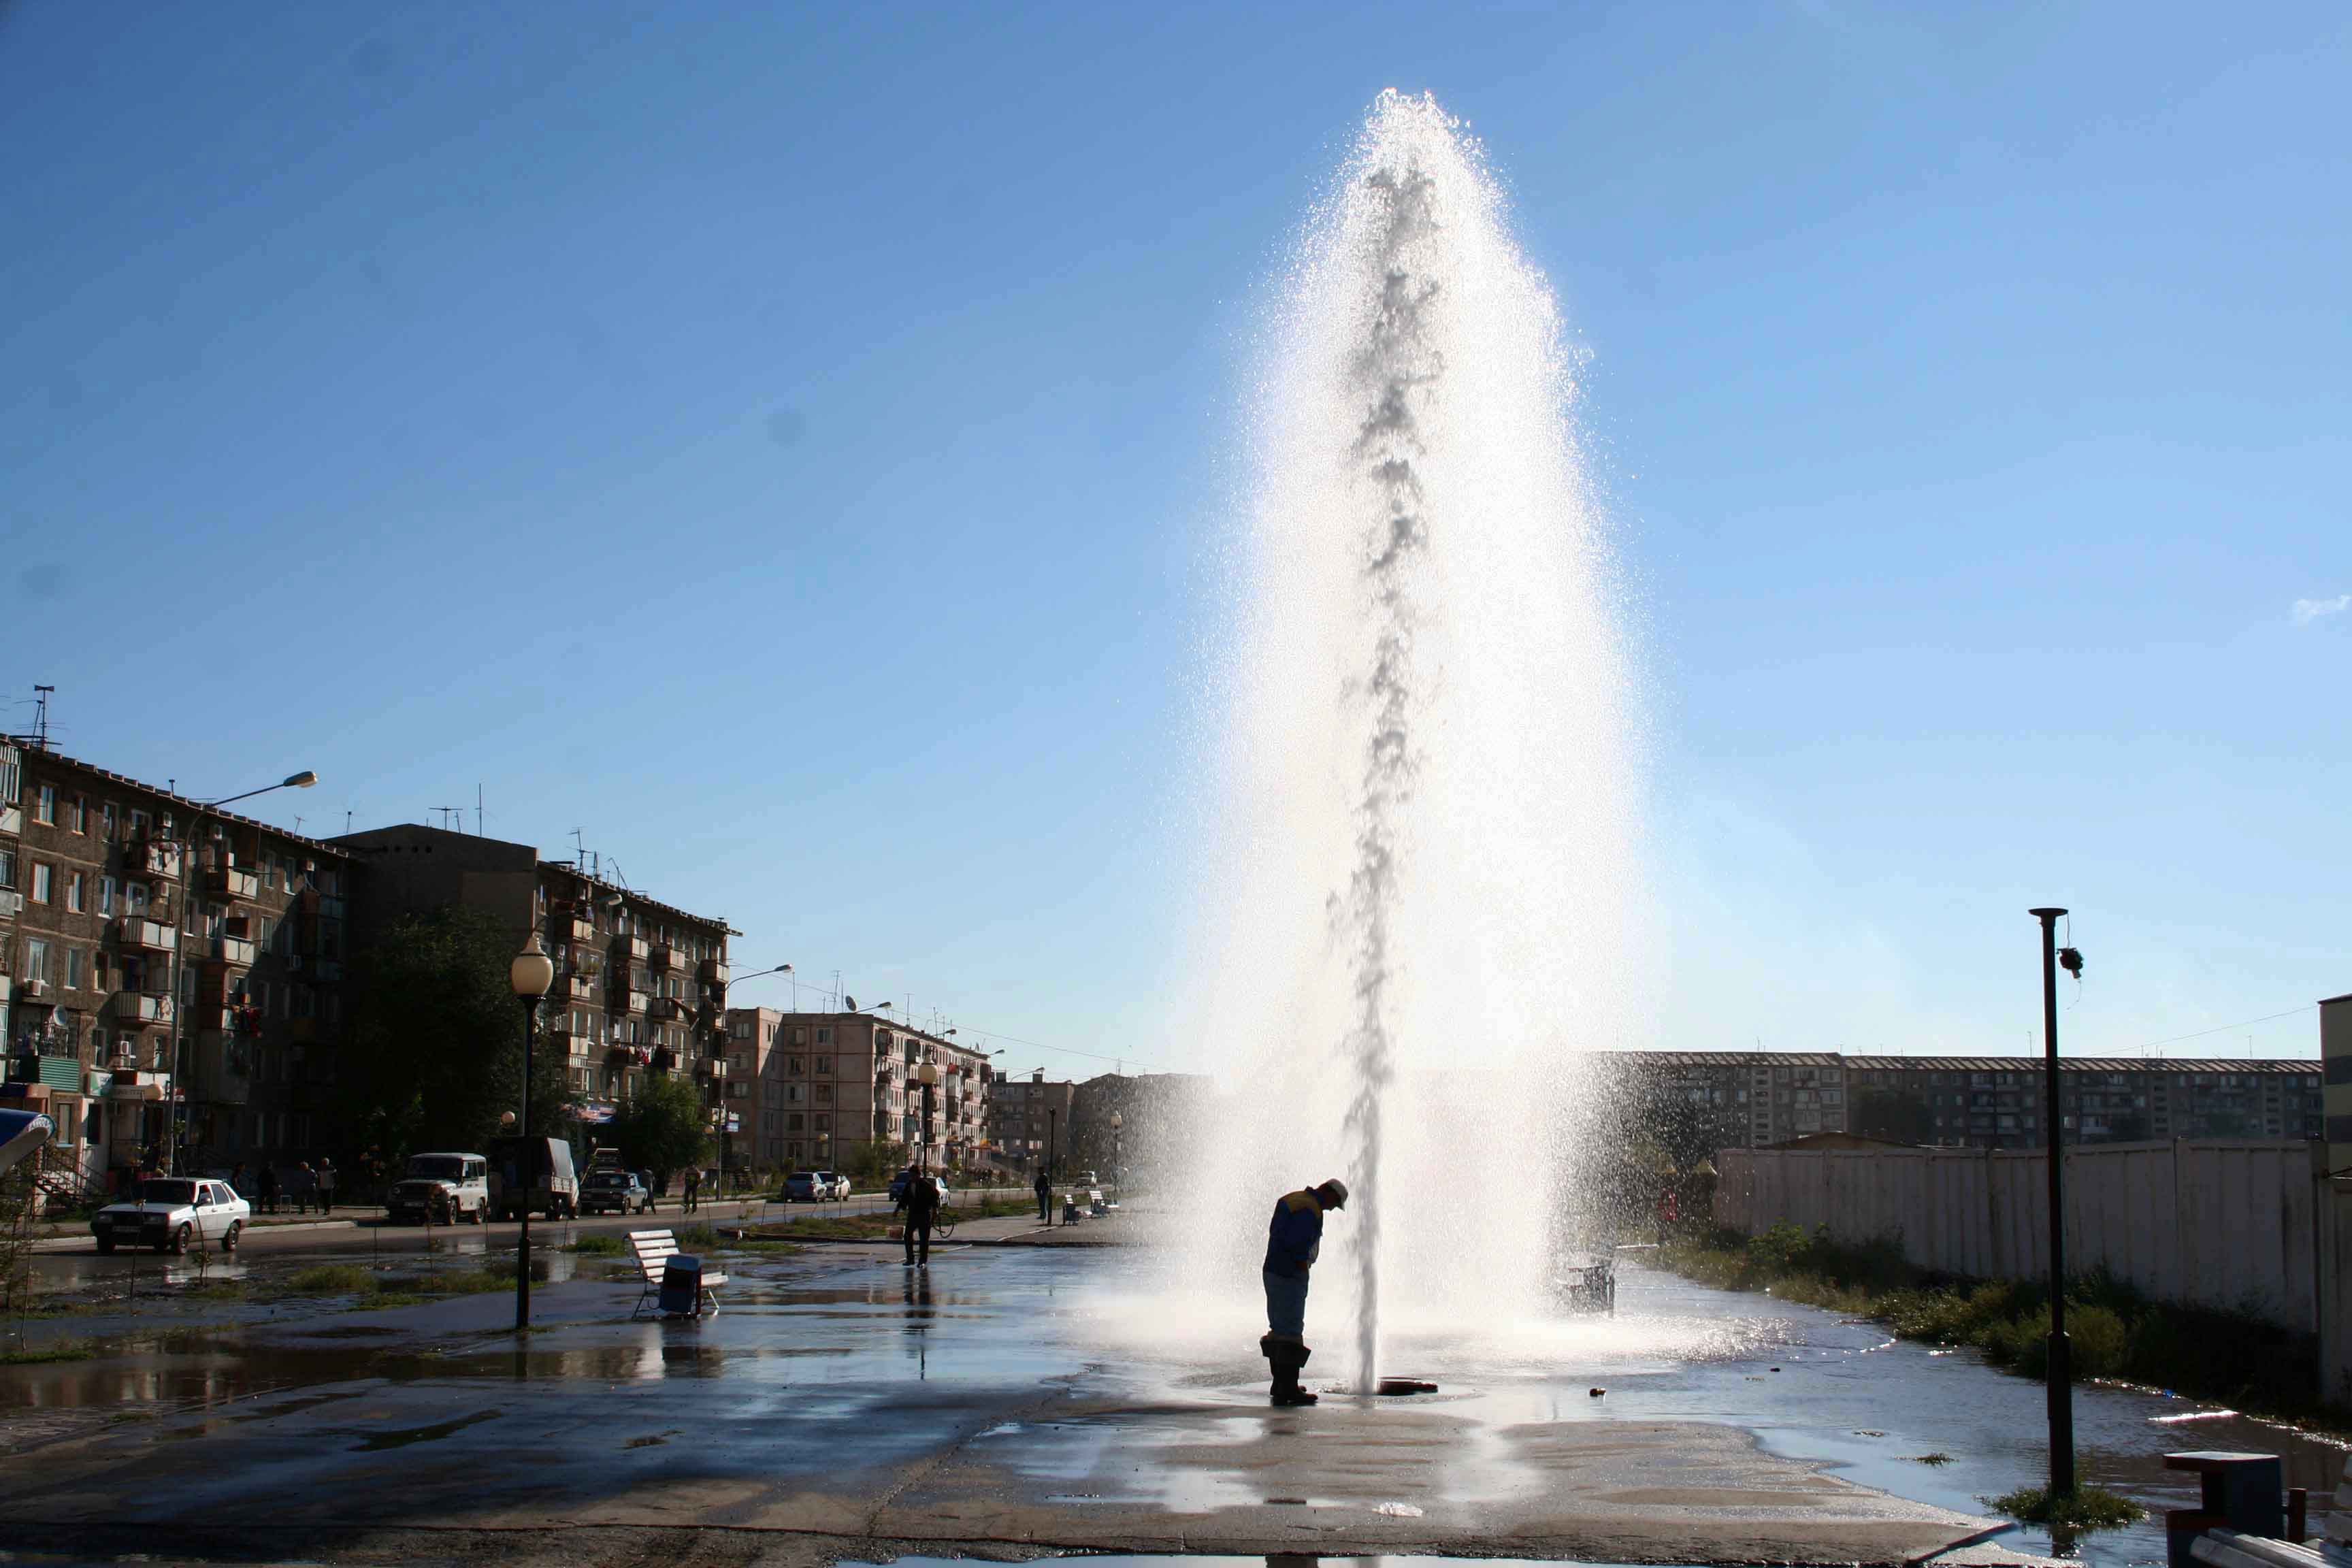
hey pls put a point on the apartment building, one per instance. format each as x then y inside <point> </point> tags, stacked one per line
<point>640,985</point>
<point>1033,1122</point>
<point>1689,1100</point>
<point>824,1089</point>
<point>166,958</point>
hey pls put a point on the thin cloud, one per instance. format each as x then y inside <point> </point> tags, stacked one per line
<point>2307,611</point>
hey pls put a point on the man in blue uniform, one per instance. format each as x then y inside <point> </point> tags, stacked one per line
<point>1292,1239</point>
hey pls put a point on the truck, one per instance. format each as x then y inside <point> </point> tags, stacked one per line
<point>533,1175</point>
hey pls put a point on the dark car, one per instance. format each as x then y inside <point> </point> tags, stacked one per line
<point>615,1192</point>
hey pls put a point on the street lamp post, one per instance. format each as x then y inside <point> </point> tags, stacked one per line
<point>928,1075</point>
<point>529,974</point>
<point>1118,1152</point>
<point>179,1104</point>
<point>1051,1114</point>
<point>2061,1369</point>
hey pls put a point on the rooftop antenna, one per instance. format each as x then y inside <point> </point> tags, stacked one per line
<point>578,850</point>
<point>41,695</point>
<point>478,808</point>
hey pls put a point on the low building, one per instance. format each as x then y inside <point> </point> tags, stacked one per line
<point>1031,1122</point>
<point>1687,1101</point>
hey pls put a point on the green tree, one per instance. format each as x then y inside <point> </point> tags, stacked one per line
<point>663,1127</point>
<point>437,1041</point>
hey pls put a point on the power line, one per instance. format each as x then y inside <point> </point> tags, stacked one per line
<point>2220,1028</point>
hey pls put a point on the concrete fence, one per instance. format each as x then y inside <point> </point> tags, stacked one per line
<point>2240,1225</point>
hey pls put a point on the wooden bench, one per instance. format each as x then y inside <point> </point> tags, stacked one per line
<point>652,1250</point>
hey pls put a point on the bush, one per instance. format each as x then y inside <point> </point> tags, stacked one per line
<point>330,1279</point>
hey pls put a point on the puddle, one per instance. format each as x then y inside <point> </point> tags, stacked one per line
<point>402,1438</point>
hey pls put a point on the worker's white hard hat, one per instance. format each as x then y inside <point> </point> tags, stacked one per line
<point>1337,1191</point>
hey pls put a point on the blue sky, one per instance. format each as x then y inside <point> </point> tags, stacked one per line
<point>791,445</point>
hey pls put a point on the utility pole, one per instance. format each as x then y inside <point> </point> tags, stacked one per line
<point>2060,1372</point>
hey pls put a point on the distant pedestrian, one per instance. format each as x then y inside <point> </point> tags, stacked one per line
<point>326,1186</point>
<point>922,1208</point>
<point>241,1183</point>
<point>693,1191</point>
<point>306,1188</point>
<point>266,1188</point>
<point>1045,1197</point>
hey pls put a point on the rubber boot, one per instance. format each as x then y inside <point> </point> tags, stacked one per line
<point>1288,1361</point>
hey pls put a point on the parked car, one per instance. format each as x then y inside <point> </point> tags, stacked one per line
<point>171,1213</point>
<point>441,1189</point>
<point>816,1188</point>
<point>533,1173</point>
<point>616,1192</point>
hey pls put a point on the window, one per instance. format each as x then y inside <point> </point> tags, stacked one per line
<point>45,806</point>
<point>824,1066</point>
<point>73,892</point>
<point>824,1036</point>
<point>73,969</point>
<point>138,822</point>
<point>37,959</point>
<point>8,867</point>
<point>40,883</point>
<point>106,886</point>
<point>77,815</point>
<point>135,898</point>
<point>108,818</point>
<point>8,775</point>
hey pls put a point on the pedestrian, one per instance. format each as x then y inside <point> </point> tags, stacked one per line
<point>265,1187</point>
<point>239,1183</point>
<point>306,1188</point>
<point>693,1191</point>
<point>922,1208</point>
<point>1294,1239</point>
<point>326,1186</point>
<point>1045,1197</point>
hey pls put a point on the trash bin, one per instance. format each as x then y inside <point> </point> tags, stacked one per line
<point>681,1290</point>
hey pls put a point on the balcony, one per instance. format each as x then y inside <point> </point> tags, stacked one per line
<point>233,882</point>
<point>578,988</point>
<point>150,858</point>
<point>668,1008</point>
<point>631,1000</point>
<point>575,927</point>
<point>142,934</point>
<point>712,970</point>
<point>659,959</point>
<point>136,1007</point>
<point>134,1084</point>
<point>233,952</point>
<point>637,947</point>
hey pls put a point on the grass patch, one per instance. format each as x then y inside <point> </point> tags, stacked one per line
<point>598,1246</point>
<point>1931,1459</point>
<point>2085,1507</point>
<point>2113,1331</point>
<point>218,1290</point>
<point>329,1280</point>
<point>698,1235</point>
<point>64,1349</point>
<point>774,1247</point>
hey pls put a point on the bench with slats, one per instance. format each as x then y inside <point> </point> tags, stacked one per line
<point>652,1250</point>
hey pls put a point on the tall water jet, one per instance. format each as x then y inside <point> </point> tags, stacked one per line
<point>1420,889</point>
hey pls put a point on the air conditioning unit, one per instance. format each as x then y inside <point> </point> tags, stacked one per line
<point>11,902</point>
<point>33,990</point>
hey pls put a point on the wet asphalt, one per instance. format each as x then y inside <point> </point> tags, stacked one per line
<point>1012,1401</point>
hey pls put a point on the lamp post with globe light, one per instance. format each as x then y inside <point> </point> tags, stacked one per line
<point>530,973</point>
<point>928,1075</point>
<point>1117,1152</point>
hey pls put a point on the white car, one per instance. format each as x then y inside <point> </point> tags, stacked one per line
<point>174,1213</point>
<point>834,1186</point>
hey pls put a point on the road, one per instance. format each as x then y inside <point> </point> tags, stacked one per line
<point>64,1261</point>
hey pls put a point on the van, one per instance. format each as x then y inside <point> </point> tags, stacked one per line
<point>533,1173</point>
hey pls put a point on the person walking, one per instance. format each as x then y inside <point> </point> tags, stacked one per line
<point>1045,1197</point>
<point>266,1188</point>
<point>922,1208</point>
<point>1294,1239</point>
<point>693,1197</point>
<point>306,1188</point>
<point>326,1186</point>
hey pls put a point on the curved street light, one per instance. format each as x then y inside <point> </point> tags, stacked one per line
<point>181,1104</point>
<point>529,975</point>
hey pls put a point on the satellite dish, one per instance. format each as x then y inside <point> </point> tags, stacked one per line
<point>852,1001</point>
